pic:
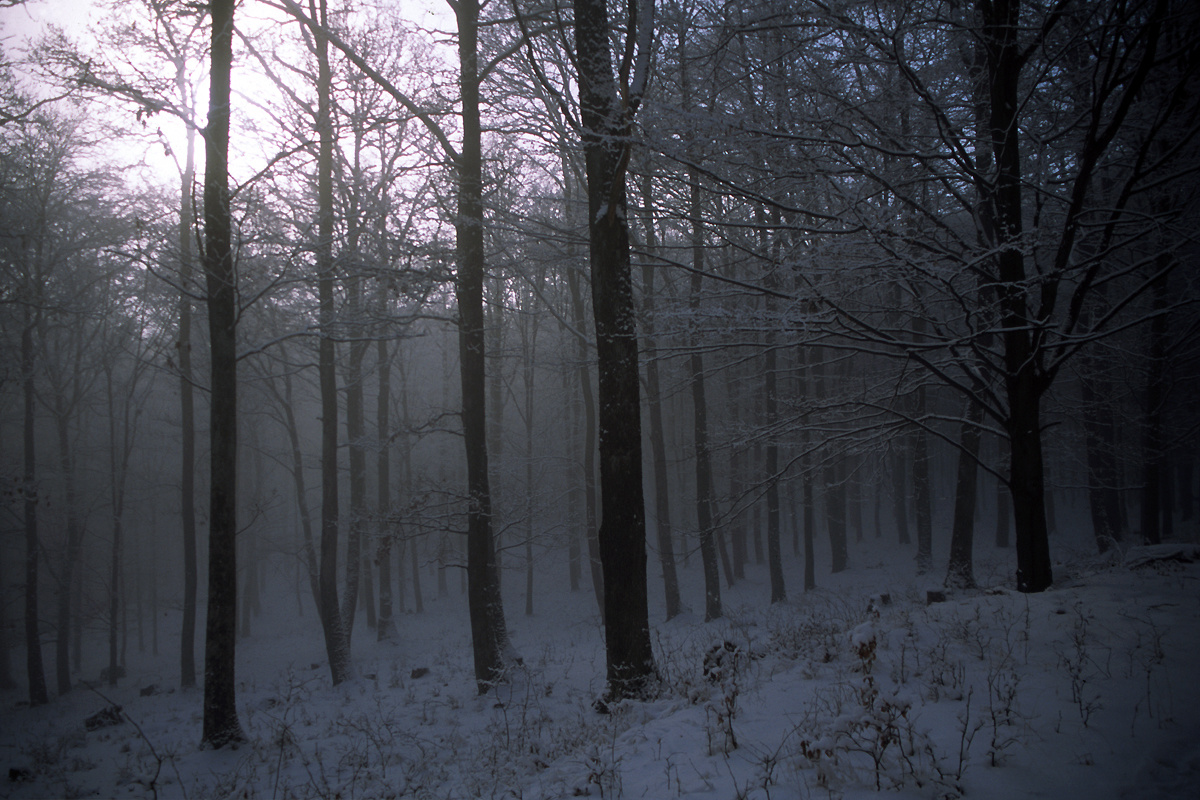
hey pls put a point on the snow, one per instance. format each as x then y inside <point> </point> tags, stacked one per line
<point>1088,690</point>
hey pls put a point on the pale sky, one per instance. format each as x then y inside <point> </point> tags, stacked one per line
<point>25,20</point>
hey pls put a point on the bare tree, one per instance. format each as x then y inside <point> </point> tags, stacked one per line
<point>221,726</point>
<point>606,115</point>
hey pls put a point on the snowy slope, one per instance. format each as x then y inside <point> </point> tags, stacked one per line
<point>1089,690</point>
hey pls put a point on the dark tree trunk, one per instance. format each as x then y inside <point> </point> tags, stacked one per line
<point>1025,381</point>
<point>529,330</point>
<point>187,412</point>
<point>221,726</point>
<point>810,558</point>
<point>960,574</point>
<point>35,671</point>
<point>704,484</point>
<point>835,484</point>
<point>311,562</point>
<point>493,348</point>
<point>1154,474</point>
<point>1100,443</point>
<point>386,629</point>
<point>337,640</point>
<point>658,448</point>
<point>606,132</point>
<point>591,525</point>
<point>66,579</point>
<point>1003,506</point>
<point>806,478</point>
<point>899,461</point>
<point>774,554</point>
<point>922,492</point>
<point>489,634</point>
<point>355,431</point>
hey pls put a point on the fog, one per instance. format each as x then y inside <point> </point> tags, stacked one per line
<point>651,401</point>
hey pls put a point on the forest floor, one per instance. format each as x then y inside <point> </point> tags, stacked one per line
<point>1088,690</point>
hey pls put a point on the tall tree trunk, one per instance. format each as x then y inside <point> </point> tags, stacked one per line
<point>494,356</point>
<point>704,487</point>
<point>221,726</point>
<point>311,561</point>
<point>355,431</point>
<point>529,330</point>
<point>771,412</point>
<point>66,579</point>
<point>658,447</point>
<point>1025,382</point>
<point>899,459</point>
<point>834,480</point>
<point>35,671</point>
<point>489,633</point>
<point>591,501</point>
<point>606,127</point>
<point>337,639</point>
<point>187,407</point>
<point>118,467</point>
<point>960,573</point>
<point>1100,443</point>
<point>575,513</point>
<point>922,491</point>
<point>1154,475</point>
<point>806,478</point>
<point>386,629</point>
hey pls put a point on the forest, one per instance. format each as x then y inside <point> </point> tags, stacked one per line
<point>688,355</point>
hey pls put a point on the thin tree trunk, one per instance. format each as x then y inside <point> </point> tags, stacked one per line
<point>591,529</point>
<point>960,573</point>
<point>899,460</point>
<point>35,672</point>
<point>1154,476</point>
<point>386,629</point>
<point>529,329</point>
<point>311,561</point>
<point>337,640</point>
<point>66,580</point>
<point>575,514</point>
<point>658,448</point>
<point>1101,452</point>
<point>771,412</point>
<point>922,491</point>
<point>187,408</point>
<point>355,431</point>
<point>704,503</point>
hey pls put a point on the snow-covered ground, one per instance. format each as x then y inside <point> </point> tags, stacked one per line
<point>1089,690</point>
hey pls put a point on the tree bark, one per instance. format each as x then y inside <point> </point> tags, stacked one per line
<point>606,134</point>
<point>1154,474</point>
<point>1025,382</point>
<point>385,631</point>
<point>355,431</point>
<point>489,634</point>
<point>187,409</point>
<point>960,573</point>
<point>1099,429</point>
<point>704,483</point>
<point>658,448</point>
<point>221,726</point>
<point>337,641</point>
<point>35,672</point>
<point>591,500</point>
<point>66,580</point>
<point>771,414</point>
